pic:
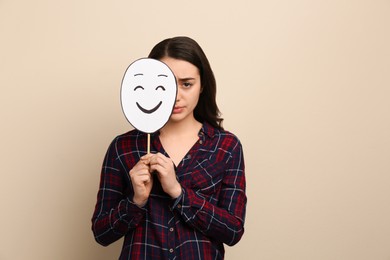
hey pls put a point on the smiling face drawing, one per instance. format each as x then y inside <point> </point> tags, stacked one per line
<point>148,94</point>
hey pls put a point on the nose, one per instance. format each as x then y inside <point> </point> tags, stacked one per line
<point>178,95</point>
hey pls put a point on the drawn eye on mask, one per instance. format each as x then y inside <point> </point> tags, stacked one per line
<point>148,94</point>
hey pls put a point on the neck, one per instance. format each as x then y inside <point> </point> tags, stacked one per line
<point>181,128</point>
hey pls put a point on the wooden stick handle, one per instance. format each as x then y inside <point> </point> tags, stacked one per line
<point>148,147</point>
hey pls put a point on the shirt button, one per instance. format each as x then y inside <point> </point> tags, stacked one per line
<point>171,250</point>
<point>178,206</point>
<point>171,229</point>
<point>201,141</point>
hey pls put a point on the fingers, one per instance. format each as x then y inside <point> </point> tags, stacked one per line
<point>164,167</point>
<point>154,162</point>
<point>139,169</point>
<point>160,160</point>
<point>140,172</point>
<point>160,170</point>
<point>143,179</point>
<point>146,157</point>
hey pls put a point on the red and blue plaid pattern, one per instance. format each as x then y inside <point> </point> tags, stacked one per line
<point>209,213</point>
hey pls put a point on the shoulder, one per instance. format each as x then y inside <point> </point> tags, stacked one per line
<point>128,140</point>
<point>127,136</point>
<point>132,134</point>
<point>230,140</point>
<point>125,150</point>
<point>225,139</point>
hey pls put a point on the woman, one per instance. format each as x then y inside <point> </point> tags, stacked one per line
<point>186,198</point>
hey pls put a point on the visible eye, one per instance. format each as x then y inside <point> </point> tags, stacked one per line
<point>137,87</point>
<point>187,84</point>
<point>160,87</point>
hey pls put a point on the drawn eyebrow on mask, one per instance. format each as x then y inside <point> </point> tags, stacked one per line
<point>162,75</point>
<point>138,74</point>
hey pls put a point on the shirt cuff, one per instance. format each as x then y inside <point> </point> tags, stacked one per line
<point>177,202</point>
<point>137,213</point>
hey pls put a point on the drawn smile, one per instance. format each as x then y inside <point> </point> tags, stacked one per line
<point>148,111</point>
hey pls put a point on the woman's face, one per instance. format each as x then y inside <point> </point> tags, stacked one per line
<point>188,88</point>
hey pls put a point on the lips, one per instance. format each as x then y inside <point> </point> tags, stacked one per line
<point>148,111</point>
<point>177,109</point>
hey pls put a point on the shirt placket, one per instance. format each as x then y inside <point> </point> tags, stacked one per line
<point>171,237</point>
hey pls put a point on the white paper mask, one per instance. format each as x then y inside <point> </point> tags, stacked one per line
<point>148,94</point>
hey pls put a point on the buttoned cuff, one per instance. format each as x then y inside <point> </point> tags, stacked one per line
<point>177,203</point>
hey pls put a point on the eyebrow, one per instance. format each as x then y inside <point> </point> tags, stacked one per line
<point>185,79</point>
<point>162,75</point>
<point>138,74</point>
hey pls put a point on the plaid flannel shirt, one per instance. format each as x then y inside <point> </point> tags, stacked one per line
<point>210,211</point>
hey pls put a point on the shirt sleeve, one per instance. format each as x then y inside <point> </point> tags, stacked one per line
<point>223,222</point>
<point>115,213</point>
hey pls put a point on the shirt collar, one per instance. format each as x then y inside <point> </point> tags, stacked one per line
<point>208,130</point>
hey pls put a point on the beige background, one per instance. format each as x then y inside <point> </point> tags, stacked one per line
<point>304,84</point>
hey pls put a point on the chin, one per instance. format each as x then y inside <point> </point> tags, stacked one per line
<point>178,117</point>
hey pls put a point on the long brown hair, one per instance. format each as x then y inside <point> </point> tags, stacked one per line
<point>185,48</point>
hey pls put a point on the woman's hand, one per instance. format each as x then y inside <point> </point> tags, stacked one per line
<point>142,180</point>
<point>165,169</point>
